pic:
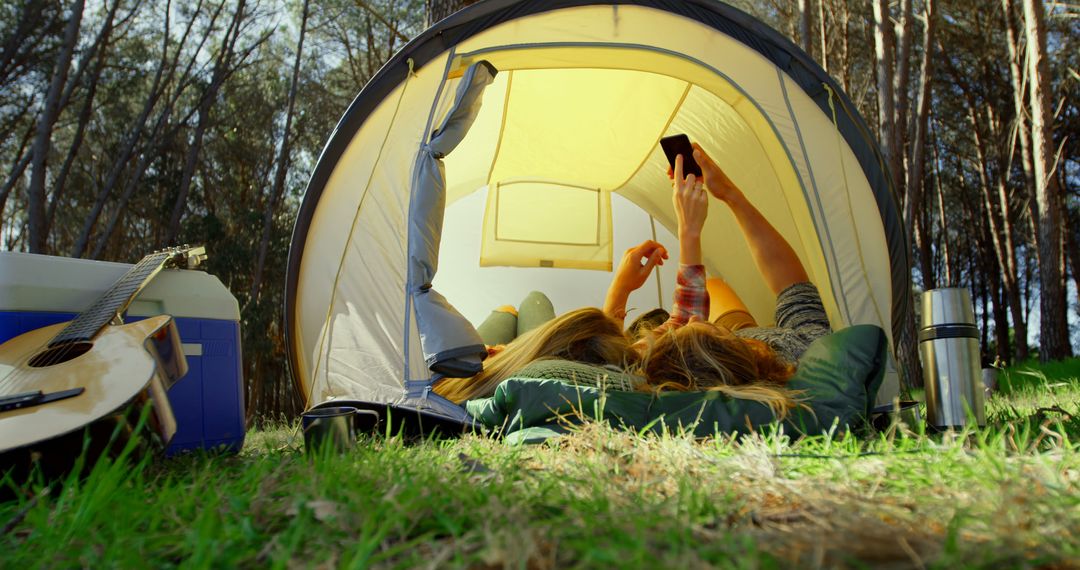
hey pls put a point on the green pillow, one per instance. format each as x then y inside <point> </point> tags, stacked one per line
<point>838,378</point>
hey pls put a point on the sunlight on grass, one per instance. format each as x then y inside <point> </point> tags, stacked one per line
<point>1007,495</point>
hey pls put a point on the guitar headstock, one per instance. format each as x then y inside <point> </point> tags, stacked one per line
<point>185,257</point>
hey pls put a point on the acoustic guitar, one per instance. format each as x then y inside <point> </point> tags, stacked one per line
<point>92,373</point>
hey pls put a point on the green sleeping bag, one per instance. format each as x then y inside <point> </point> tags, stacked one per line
<point>838,376</point>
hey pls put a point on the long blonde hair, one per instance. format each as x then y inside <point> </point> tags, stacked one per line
<point>583,335</point>
<point>692,358</point>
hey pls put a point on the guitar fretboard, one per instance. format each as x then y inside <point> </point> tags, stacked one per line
<point>113,302</point>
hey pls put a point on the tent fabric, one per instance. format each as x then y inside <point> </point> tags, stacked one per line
<point>838,379</point>
<point>451,345</point>
<point>584,91</point>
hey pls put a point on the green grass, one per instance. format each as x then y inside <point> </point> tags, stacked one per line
<point>1004,496</point>
<point>1034,375</point>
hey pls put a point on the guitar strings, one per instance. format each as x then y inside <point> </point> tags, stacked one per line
<point>125,285</point>
<point>74,328</point>
<point>149,264</point>
<point>24,371</point>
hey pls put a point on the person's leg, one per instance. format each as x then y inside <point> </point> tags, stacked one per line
<point>535,310</point>
<point>726,308</point>
<point>500,327</point>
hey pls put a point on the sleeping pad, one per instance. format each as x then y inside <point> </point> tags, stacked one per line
<point>837,380</point>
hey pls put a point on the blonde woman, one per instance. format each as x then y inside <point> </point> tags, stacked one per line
<point>687,352</point>
<point>711,341</point>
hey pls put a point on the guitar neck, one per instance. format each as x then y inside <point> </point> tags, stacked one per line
<point>114,302</point>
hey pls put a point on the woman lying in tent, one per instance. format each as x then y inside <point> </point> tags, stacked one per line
<point>708,342</point>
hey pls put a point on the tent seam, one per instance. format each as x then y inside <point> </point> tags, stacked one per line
<point>851,212</point>
<point>667,125</point>
<point>345,249</point>
<point>817,198</point>
<point>502,125</point>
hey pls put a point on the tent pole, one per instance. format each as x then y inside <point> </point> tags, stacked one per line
<point>659,291</point>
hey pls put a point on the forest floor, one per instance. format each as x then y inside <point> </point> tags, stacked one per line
<point>1004,496</point>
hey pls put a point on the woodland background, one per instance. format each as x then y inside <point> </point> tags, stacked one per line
<point>127,125</point>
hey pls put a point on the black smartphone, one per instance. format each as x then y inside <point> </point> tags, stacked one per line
<point>680,144</point>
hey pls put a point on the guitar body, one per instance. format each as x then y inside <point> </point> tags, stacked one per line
<point>122,366</point>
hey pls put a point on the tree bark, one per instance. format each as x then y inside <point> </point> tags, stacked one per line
<point>224,66</point>
<point>436,10</point>
<point>845,46</point>
<point>914,205</point>
<point>823,36</point>
<point>885,52</point>
<point>282,167</point>
<point>906,341</point>
<point>944,246</point>
<point>1053,322</point>
<point>1021,131</point>
<point>131,140</point>
<point>17,171</point>
<point>1072,247</point>
<point>1001,232</point>
<point>19,47</point>
<point>997,208</point>
<point>904,39</point>
<point>35,192</point>
<point>130,186</point>
<point>805,25</point>
<point>1001,322</point>
<point>164,75</point>
<point>96,52</point>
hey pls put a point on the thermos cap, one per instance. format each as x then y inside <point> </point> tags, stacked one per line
<point>947,306</point>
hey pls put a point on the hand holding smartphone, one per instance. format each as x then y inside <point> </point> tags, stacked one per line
<point>680,144</point>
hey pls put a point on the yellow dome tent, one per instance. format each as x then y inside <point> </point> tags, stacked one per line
<point>530,129</point>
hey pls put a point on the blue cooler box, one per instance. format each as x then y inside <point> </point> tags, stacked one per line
<point>40,290</point>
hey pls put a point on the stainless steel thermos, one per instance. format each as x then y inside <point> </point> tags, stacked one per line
<point>949,347</point>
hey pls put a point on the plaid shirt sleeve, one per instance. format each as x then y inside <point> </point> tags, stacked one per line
<point>691,297</point>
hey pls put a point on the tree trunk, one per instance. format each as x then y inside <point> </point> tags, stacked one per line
<point>282,167</point>
<point>19,46</point>
<point>17,170</point>
<point>35,192</point>
<point>1072,247</point>
<point>131,140</point>
<point>1020,130</point>
<point>805,25</point>
<point>130,185</point>
<point>945,254</point>
<point>1001,321</point>
<point>914,205</point>
<point>223,68</point>
<point>97,52</point>
<point>903,72</point>
<point>436,10</point>
<point>980,243</point>
<point>885,52</point>
<point>823,35</point>
<point>906,341</point>
<point>845,46</point>
<point>984,299</point>
<point>1053,310</point>
<point>1001,231</point>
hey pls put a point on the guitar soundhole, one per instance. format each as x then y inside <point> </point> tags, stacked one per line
<point>60,354</point>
